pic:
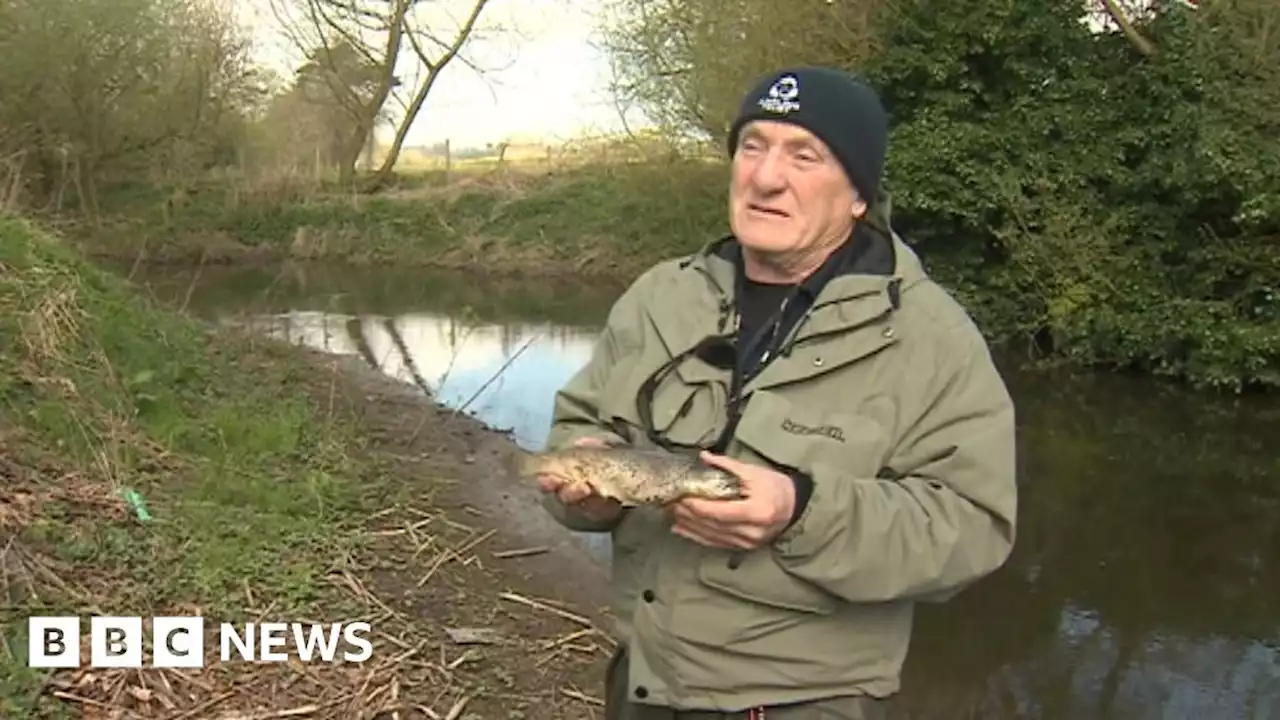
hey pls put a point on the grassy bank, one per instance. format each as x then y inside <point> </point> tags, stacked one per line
<point>260,499</point>
<point>601,218</point>
<point>103,395</point>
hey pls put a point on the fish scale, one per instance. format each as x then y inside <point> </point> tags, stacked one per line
<point>633,476</point>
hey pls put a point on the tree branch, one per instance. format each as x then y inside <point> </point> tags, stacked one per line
<point>1141,43</point>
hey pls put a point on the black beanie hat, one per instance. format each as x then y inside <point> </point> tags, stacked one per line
<point>843,112</point>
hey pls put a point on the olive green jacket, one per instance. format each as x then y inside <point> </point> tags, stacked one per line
<point>889,400</point>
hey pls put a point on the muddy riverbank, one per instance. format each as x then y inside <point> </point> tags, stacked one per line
<point>477,460</point>
<point>483,557</point>
<point>153,465</point>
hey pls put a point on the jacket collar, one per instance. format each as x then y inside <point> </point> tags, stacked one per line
<point>868,286</point>
<point>872,262</point>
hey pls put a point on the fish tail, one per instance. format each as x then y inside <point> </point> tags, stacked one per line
<point>520,462</point>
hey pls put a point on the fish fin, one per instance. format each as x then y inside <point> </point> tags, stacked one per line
<point>601,491</point>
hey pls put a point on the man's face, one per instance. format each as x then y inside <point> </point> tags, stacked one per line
<point>788,192</point>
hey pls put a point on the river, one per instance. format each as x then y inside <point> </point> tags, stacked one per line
<point>1145,582</point>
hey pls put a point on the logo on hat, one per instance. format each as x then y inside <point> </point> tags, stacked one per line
<point>783,97</point>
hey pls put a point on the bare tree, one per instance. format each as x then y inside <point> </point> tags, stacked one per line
<point>376,35</point>
<point>1121,17</point>
<point>96,91</point>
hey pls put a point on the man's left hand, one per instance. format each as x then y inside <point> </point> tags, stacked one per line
<point>768,500</point>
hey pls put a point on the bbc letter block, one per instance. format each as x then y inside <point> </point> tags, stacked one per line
<point>177,642</point>
<point>53,642</point>
<point>116,642</point>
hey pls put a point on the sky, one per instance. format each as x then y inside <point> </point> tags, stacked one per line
<point>544,80</point>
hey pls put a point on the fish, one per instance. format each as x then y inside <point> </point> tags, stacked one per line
<point>633,476</point>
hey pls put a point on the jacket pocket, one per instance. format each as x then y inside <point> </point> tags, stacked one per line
<point>760,580</point>
<point>829,445</point>
<point>688,414</point>
<point>822,443</point>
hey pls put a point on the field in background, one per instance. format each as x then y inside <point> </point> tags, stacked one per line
<point>535,156</point>
<point>514,169</point>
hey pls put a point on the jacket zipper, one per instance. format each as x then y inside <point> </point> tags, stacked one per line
<point>740,379</point>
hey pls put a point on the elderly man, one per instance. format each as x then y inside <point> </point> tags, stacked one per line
<point>809,354</point>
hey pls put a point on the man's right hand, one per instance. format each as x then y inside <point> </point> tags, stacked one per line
<point>580,497</point>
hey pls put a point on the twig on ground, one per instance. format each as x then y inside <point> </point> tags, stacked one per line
<point>466,656</point>
<point>394,640</point>
<point>537,605</point>
<point>455,712</point>
<point>445,556</point>
<point>521,552</point>
<point>364,686</point>
<point>202,707</point>
<point>395,698</point>
<point>63,695</point>
<point>364,594</point>
<point>396,660</point>
<point>457,525</point>
<point>201,684</point>
<point>582,697</point>
<point>576,634</point>
<point>473,636</point>
<point>468,546</point>
<point>272,606</point>
<point>422,547</point>
<point>301,711</point>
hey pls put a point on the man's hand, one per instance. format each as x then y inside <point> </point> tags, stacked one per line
<point>743,524</point>
<point>580,497</point>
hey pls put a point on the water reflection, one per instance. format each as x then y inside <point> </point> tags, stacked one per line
<point>500,374</point>
<point>1144,583</point>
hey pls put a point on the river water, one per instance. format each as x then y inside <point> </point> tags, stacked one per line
<point>1145,582</point>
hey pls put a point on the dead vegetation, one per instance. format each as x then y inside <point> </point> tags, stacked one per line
<point>450,642</point>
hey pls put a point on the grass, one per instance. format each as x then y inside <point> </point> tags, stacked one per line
<point>602,218</point>
<point>265,503</point>
<point>245,486</point>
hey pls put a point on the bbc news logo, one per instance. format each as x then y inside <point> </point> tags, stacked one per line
<point>178,642</point>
